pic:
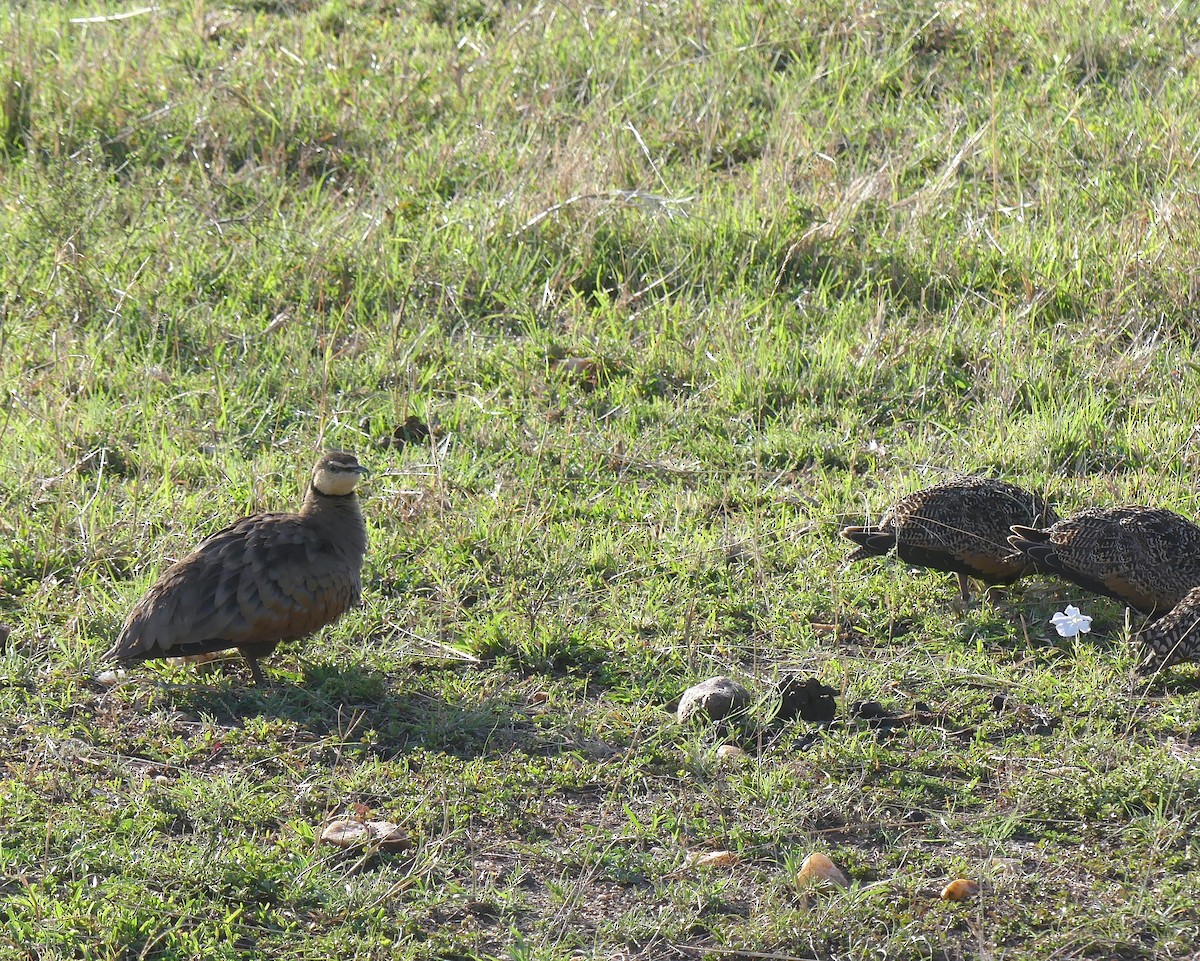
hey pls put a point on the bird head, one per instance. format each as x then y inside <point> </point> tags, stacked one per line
<point>337,473</point>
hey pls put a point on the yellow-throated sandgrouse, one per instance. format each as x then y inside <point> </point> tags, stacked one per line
<point>960,526</point>
<point>1145,557</point>
<point>1175,636</point>
<point>263,580</point>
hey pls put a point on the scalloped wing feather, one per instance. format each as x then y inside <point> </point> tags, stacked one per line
<point>263,580</point>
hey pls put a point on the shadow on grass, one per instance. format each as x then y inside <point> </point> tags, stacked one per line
<point>1178,679</point>
<point>390,712</point>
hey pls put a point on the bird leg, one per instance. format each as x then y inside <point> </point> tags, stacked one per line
<point>255,671</point>
<point>964,587</point>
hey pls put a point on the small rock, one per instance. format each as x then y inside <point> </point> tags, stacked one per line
<point>817,867</point>
<point>110,677</point>
<point>960,889</point>
<point>345,834</point>
<point>348,833</point>
<point>716,699</point>
<point>805,698</point>
<point>730,752</point>
<point>389,836</point>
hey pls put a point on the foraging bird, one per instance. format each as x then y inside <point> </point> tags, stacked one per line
<point>959,526</point>
<point>265,579</point>
<point>1175,636</point>
<point>1145,557</point>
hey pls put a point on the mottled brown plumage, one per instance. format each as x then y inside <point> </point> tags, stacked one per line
<point>1175,636</point>
<point>1145,557</point>
<point>960,526</point>
<point>263,580</point>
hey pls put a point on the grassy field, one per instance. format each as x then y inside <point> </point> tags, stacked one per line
<point>679,288</point>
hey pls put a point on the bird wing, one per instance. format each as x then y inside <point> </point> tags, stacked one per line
<point>1163,557</point>
<point>1094,543</point>
<point>262,580</point>
<point>1127,553</point>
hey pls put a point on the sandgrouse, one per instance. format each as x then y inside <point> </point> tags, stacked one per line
<point>1146,557</point>
<point>265,579</point>
<point>959,526</point>
<point>1175,636</point>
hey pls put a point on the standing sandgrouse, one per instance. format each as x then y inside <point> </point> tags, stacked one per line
<point>1145,557</point>
<point>265,579</point>
<point>959,526</point>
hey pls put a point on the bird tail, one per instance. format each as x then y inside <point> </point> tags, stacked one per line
<point>871,541</point>
<point>1033,544</point>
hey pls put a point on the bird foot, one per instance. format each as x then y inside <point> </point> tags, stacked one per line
<point>256,673</point>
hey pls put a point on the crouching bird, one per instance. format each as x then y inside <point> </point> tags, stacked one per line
<point>1174,637</point>
<point>960,526</point>
<point>1145,557</point>
<point>265,579</point>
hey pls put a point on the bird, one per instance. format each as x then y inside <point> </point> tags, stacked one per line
<point>1175,636</point>
<point>959,526</point>
<point>264,579</point>
<point>1147,558</point>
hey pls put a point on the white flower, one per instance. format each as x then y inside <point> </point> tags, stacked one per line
<point>1070,622</point>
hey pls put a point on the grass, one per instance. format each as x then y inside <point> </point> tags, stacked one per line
<point>679,289</point>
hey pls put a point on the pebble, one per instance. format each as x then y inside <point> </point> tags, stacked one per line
<point>817,867</point>
<point>716,699</point>
<point>960,889</point>
<point>348,833</point>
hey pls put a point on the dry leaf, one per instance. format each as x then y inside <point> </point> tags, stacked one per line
<point>711,859</point>
<point>581,367</point>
